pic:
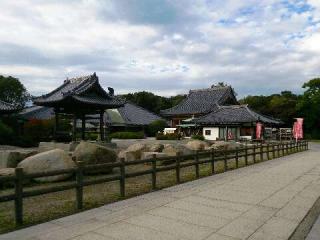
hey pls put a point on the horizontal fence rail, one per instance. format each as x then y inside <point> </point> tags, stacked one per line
<point>174,163</point>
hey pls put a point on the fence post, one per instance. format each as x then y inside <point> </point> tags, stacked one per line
<point>225,160</point>
<point>178,168</point>
<point>79,188</point>
<point>254,153</point>
<point>237,157</point>
<point>212,160</point>
<point>246,156</point>
<point>154,172</point>
<point>268,151</point>
<point>287,149</point>
<point>282,148</point>
<point>122,178</point>
<point>18,203</point>
<point>261,152</point>
<point>278,148</point>
<point>273,152</point>
<point>197,164</point>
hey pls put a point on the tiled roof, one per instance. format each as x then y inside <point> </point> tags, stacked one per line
<point>130,114</point>
<point>85,90</point>
<point>37,112</point>
<point>236,114</point>
<point>6,107</point>
<point>201,101</point>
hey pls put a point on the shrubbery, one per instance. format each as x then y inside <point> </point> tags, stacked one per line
<point>197,137</point>
<point>171,136</point>
<point>8,137</point>
<point>155,127</point>
<point>127,135</point>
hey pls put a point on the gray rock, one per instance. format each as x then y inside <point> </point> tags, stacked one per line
<point>156,147</point>
<point>197,145</point>
<point>11,158</point>
<point>48,161</point>
<point>90,153</point>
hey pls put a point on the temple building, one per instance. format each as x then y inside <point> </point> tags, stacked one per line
<point>216,114</point>
<point>80,97</point>
<point>7,108</point>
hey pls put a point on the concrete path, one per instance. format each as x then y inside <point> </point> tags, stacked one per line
<point>315,231</point>
<point>266,201</point>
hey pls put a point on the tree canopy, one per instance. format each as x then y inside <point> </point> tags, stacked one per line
<point>13,91</point>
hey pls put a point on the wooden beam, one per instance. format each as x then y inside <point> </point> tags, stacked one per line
<point>74,129</point>
<point>83,127</point>
<point>56,125</point>
<point>101,125</point>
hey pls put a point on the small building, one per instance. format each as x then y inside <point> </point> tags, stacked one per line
<point>79,97</point>
<point>232,122</point>
<point>129,117</point>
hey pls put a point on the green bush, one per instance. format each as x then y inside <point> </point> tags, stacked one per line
<point>8,137</point>
<point>127,135</point>
<point>197,137</point>
<point>155,127</point>
<point>171,136</point>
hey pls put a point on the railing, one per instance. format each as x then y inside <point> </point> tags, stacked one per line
<point>175,163</point>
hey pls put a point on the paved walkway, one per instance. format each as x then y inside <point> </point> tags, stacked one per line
<point>315,231</point>
<point>263,201</point>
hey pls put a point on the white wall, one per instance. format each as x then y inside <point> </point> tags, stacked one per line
<point>214,133</point>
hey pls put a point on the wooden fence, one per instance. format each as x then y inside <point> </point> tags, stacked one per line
<point>263,151</point>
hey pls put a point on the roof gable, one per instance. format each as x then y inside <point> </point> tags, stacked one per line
<point>202,101</point>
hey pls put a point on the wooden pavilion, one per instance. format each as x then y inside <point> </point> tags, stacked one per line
<point>80,97</point>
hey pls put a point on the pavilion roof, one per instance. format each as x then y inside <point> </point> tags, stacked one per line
<point>37,112</point>
<point>235,114</point>
<point>130,115</point>
<point>84,91</point>
<point>7,107</point>
<point>202,101</point>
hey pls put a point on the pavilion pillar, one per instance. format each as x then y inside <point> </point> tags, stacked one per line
<point>101,125</point>
<point>83,127</point>
<point>74,129</point>
<point>56,124</point>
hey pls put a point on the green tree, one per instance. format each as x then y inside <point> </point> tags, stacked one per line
<point>308,107</point>
<point>13,91</point>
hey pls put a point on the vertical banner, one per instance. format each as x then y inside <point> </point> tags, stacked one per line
<point>258,130</point>
<point>230,135</point>
<point>298,129</point>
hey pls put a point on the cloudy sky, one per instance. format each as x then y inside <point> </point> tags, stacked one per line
<point>167,47</point>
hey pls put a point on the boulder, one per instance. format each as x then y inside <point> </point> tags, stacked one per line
<point>156,147</point>
<point>48,161</point>
<point>90,153</point>
<point>11,158</point>
<point>230,145</point>
<point>4,172</point>
<point>148,155</point>
<point>133,152</point>
<point>174,150</point>
<point>197,145</point>
<point>47,146</point>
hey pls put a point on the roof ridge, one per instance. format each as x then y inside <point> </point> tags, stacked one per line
<point>209,89</point>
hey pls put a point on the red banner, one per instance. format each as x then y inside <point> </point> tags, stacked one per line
<point>258,130</point>
<point>298,129</point>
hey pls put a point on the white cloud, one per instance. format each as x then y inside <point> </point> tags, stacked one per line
<point>244,43</point>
